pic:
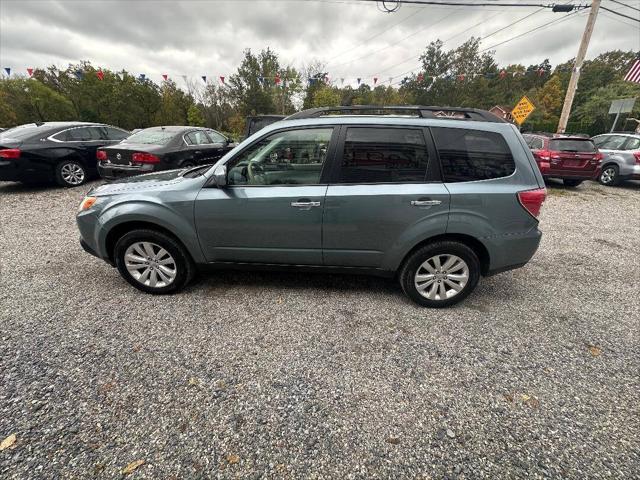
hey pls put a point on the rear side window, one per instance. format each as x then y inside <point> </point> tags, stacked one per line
<point>383,155</point>
<point>82,134</point>
<point>468,155</point>
<point>115,133</point>
<point>197,138</point>
<point>571,145</point>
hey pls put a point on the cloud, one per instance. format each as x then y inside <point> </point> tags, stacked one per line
<point>354,38</point>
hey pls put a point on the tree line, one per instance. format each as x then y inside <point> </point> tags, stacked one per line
<point>464,76</point>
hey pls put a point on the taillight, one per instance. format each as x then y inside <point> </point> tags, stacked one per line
<point>637,155</point>
<point>101,155</point>
<point>532,200</point>
<point>554,155</point>
<point>10,153</point>
<point>599,157</point>
<point>140,157</point>
<point>544,155</point>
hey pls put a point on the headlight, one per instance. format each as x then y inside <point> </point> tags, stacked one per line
<point>87,203</point>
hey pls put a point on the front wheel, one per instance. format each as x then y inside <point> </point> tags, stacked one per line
<point>70,173</point>
<point>440,274</point>
<point>153,262</point>
<point>571,183</point>
<point>609,175</point>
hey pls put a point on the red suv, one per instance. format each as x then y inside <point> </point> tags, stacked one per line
<point>573,159</point>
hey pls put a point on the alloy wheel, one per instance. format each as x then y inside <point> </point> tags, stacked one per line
<point>72,173</point>
<point>441,277</point>
<point>608,175</point>
<point>150,264</point>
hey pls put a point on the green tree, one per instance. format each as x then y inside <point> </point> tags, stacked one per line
<point>195,116</point>
<point>326,97</point>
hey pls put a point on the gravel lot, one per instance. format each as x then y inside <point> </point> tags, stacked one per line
<point>280,375</point>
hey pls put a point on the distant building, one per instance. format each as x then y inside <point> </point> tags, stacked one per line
<point>502,112</point>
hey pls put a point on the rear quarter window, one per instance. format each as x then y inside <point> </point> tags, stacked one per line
<point>571,145</point>
<point>470,155</point>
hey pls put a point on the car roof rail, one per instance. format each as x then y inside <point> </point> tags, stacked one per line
<point>452,113</point>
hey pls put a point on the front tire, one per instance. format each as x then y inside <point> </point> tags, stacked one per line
<point>609,176</point>
<point>70,173</point>
<point>440,274</point>
<point>571,183</point>
<point>153,262</point>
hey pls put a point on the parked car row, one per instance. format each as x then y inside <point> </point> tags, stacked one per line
<point>609,158</point>
<point>70,153</point>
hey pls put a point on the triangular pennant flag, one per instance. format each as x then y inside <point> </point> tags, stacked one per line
<point>165,76</point>
<point>79,74</point>
<point>540,72</point>
<point>204,78</point>
<point>30,71</point>
<point>142,77</point>
<point>503,74</point>
<point>420,77</point>
<point>461,77</point>
<point>222,79</point>
<point>100,75</point>
<point>358,79</point>
<point>8,70</point>
<point>277,79</point>
<point>375,80</point>
<point>184,77</point>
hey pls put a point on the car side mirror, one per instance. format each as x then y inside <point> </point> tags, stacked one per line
<point>220,175</point>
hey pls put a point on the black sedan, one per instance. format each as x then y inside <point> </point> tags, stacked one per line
<point>61,151</point>
<point>162,148</point>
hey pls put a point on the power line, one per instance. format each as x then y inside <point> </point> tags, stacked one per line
<point>482,4</point>
<point>620,14</point>
<point>626,5</point>
<point>512,24</point>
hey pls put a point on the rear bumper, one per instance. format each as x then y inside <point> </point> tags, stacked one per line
<point>110,171</point>
<point>509,252</point>
<point>13,172</point>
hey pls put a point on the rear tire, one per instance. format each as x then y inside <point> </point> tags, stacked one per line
<point>610,175</point>
<point>153,262</point>
<point>70,173</point>
<point>571,183</point>
<point>440,274</point>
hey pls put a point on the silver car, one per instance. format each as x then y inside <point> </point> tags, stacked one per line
<point>436,199</point>
<point>621,157</point>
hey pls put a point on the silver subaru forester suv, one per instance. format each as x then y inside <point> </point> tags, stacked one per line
<point>436,197</point>
<point>621,160</point>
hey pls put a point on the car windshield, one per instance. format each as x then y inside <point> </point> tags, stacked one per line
<point>571,145</point>
<point>151,137</point>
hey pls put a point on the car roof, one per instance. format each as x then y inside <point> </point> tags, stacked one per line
<point>389,120</point>
<point>174,128</point>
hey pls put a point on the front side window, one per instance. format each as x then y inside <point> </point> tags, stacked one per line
<point>292,157</point>
<point>115,133</point>
<point>469,155</point>
<point>216,137</point>
<point>383,155</point>
<point>197,138</point>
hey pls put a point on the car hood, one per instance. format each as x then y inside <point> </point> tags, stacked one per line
<point>149,181</point>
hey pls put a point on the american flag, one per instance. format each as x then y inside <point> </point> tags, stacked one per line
<point>634,74</point>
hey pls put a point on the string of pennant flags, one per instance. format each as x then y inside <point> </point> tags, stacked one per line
<point>278,80</point>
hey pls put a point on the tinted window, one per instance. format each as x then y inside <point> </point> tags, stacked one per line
<point>197,138</point>
<point>383,155</point>
<point>292,157</point>
<point>468,155</point>
<point>82,134</point>
<point>601,140</point>
<point>632,144</point>
<point>115,133</point>
<point>151,136</point>
<point>534,143</point>
<point>611,142</point>
<point>216,137</point>
<point>571,145</point>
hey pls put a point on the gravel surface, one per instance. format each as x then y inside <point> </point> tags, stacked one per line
<point>322,376</point>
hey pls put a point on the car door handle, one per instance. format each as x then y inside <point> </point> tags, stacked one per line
<point>306,205</point>
<point>425,203</point>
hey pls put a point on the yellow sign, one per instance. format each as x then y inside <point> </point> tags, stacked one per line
<point>522,110</point>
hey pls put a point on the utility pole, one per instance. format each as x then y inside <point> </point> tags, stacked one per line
<point>575,74</point>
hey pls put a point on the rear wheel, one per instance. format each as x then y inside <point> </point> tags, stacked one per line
<point>70,173</point>
<point>440,274</point>
<point>609,175</point>
<point>571,183</point>
<point>153,262</point>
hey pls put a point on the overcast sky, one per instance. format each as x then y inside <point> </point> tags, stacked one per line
<point>354,39</point>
